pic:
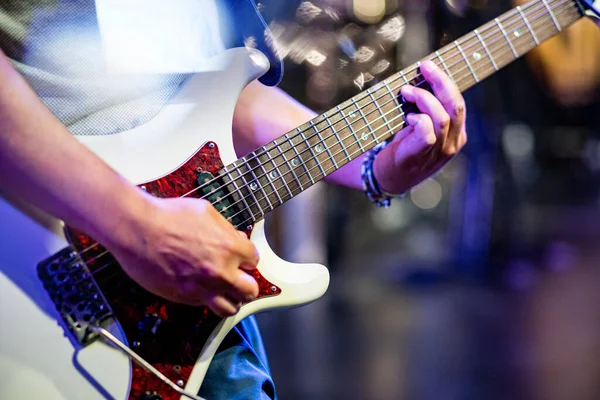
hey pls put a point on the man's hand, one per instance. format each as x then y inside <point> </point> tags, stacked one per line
<point>430,140</point>
<point>181,249</point>
<point>418,151</point>
<point>189,253</point>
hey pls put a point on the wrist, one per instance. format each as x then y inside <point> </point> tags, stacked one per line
<point>386,174</point>
<point>371,186</point>
<point>123,227</point>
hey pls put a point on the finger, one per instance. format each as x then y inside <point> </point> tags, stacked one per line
<point>431,106</point>
<point>421,138</point>
<point>399,136</point>
<point>446,92</point>
<point>244,287</point>
<point>247,252</point>
<point>190,293</point>
<point>443,87</point>
<point>410,152</point>
<point>223,306</point>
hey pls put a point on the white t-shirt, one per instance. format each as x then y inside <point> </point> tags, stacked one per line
<point>106,66</point>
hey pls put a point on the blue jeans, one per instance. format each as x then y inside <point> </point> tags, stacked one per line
<point>240,369</point>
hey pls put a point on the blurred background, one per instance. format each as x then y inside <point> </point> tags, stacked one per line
<point>482,283</point>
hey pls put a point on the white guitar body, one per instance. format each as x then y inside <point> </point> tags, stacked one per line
<point>38,359</point>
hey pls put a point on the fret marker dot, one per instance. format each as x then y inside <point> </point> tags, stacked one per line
<point>352,114</point>
<point>477,56</point>
<point>253,186</point>
<point>364,136</point>
<point>273,174</point>
<point>518,33</point>
<point>319,148</point>
<point>295,162</point>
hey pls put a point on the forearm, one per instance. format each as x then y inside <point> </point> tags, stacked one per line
<point>44,165</point>
<point>264,114</point>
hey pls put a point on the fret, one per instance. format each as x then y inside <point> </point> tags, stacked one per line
<point>271,175</point>
<point>552,15</point>
<point>349,125</point>
<point>486,49</point>
<point>256,183</point>
<point>364,135</point>
<point>466,60</point>
<point>249,189</point>
<point>275,167</point>
<point>406,82</point>
<point>417,69</point>
<point>354,132</point>
<point>392,95</point>
<point>358,122</point>
<point>324,144</point>
<point>383,117</point>
<point>439,56</point>
<point>506,37</point>
<point>292,167</point>
<point>528,25</point>
<point>280,167</point>
<point>337,136</point>
<point>312,153</point>
<point>238,194</point>
<point>397,108</point>
<point>301,161</point>
<point>290,171</point>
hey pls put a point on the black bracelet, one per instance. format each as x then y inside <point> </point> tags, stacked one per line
<point>370,185</point>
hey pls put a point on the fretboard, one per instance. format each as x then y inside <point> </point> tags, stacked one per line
<point>278,171</point>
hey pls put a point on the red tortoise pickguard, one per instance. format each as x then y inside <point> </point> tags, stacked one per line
<point>183,330</point>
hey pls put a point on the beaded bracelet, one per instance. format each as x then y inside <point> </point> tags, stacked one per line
<point>370,185</point>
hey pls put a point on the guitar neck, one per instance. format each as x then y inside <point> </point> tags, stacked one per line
<point>278,171</point>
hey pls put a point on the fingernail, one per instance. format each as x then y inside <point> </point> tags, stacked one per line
<point>407,90</point>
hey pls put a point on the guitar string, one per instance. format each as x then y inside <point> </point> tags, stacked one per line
<point>98,270</point>
<point>316,132</point>
<point>316,158</point>
<point>366,94</point>
<point>255,156</point>
<point>366,125</point>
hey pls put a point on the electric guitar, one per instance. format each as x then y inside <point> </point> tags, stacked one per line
<point>73,326</point>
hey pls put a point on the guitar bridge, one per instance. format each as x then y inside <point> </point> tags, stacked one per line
<point>75,294</point>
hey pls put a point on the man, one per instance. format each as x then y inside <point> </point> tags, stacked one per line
<point>180,249</point>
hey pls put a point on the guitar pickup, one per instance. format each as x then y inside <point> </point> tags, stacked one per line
<point>218,193</point>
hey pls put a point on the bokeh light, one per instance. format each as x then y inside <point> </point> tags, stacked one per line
<point>369,11</point>
<point>427,195</point>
